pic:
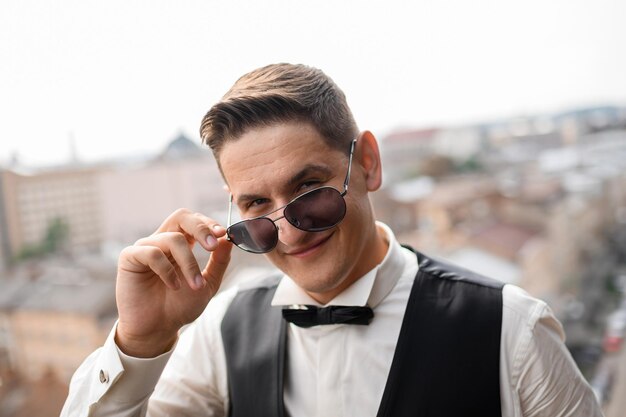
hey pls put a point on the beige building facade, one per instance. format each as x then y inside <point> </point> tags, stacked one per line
<point>52,318</point>
<point>136,199</point>
<point>106,204</point>
<point>33,201</point>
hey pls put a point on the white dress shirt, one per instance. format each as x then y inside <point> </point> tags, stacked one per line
<point>332,370</point>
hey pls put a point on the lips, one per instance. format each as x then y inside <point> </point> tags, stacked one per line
<point>309,249</point>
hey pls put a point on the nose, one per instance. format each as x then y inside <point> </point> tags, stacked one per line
<point>288,234</point>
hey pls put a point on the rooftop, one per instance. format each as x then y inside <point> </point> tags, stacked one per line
<point>181,147</point>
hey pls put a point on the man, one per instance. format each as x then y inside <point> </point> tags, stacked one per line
<point>355,325</point>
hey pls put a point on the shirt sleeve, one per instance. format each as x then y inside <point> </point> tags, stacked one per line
<point>110,383</point>
<point>545,379</point>
<point>195,382</point>
<point>189,380</point>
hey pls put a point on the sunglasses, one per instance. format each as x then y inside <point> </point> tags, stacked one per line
<point>314,211</point>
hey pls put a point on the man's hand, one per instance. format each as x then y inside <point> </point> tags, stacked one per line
<point>160,286</point>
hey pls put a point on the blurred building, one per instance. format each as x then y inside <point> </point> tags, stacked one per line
<point>459,143</point>
<point>53,316</point>
<point>403,150</point>
<point>136,198</point>
<point>95,206</point>
<point>459,220</point>
<point>34,201</point>
<point>5,249</point>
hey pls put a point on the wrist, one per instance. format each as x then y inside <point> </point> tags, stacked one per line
<point>144,346</point>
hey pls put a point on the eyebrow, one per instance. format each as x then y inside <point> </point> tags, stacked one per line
<point>306,171</point>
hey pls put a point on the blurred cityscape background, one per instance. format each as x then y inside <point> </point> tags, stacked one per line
<point>538,201</point>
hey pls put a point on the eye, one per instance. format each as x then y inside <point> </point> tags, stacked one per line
<point>309,185</point>
<point>258,202</point>
<point>254,207</point>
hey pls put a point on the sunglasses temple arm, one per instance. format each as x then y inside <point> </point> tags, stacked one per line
<point>347,180</point>
<point>230,209</point>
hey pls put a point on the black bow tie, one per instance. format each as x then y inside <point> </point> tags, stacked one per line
<point>310,316</point>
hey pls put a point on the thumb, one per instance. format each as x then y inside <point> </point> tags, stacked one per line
<point>218,262</point>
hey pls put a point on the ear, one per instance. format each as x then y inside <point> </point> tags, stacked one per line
<point>369,158</point>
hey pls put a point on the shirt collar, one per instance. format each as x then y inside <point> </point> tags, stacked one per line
<point>369,290</point>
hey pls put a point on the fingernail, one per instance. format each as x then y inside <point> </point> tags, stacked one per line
<point>218,228</point>
<point>199,281</point>
<point>211,241</point>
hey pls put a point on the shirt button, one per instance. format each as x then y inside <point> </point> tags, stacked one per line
<point>104,376</point>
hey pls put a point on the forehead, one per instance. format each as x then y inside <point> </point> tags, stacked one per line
<point>265,156</point>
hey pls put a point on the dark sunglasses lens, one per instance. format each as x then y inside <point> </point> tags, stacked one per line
<point>256,235</point>
<point>318,210</point>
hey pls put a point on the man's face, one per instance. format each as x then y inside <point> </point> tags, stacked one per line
<point>268,166</point>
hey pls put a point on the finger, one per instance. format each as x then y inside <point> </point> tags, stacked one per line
<point>176,245</point>
<point>170,224</point>
<point>196,226</point>
<point>206,229</point>
<point>217,265</point>
<point>154,259</point>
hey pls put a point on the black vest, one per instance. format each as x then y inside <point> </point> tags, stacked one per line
<point>446,362</point>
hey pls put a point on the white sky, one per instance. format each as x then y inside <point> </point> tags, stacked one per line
<point>125,76</point>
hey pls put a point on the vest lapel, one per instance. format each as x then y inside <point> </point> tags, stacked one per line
<point>254,335</point>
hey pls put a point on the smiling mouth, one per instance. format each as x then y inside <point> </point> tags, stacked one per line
<point>309,250</point>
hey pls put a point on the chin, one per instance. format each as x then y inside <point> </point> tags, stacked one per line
<point>320,274</point>
<point>318,280</point>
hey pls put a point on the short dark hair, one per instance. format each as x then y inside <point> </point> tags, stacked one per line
<point>280,93</point>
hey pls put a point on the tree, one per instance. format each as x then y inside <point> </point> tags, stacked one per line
<point>54,241</point>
